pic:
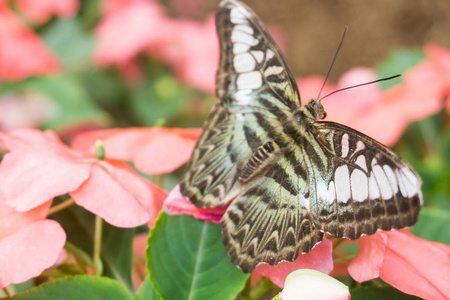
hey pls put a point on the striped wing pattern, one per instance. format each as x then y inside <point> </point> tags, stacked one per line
<point>253,84</point>
<point>286,176</point>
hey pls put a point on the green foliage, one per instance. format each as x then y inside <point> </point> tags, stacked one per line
<point>146,291</point>
<point>116,252</point>
<point>398,62</point>
<point>77,288</point>
<point>375,293</point>
<point>187,260</point>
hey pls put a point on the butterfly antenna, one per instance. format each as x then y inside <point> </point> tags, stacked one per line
<point>332,62</point>
<point>366,83</point>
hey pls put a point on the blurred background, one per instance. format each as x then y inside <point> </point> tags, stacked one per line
<point>76,65</point>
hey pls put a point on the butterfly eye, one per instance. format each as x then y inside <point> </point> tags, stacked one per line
<point>324,115</point>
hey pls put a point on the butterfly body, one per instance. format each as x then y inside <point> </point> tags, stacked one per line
<point>286,176</point>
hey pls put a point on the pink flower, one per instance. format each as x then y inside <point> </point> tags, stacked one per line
<point>28,243</point>
<point>412,265</point>
<point>310,284</point>
<point>319,258</point>
<point>128,28</point>
<point>366,108</point>
<point>39,167</point>
<point>153,150</point>
<point>22,53</point>
<point>192,49</point>
<point>40,11</point>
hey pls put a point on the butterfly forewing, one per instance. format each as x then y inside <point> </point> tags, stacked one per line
<point>255,89</point>
<point>370,187</point>
<point>286,177</point>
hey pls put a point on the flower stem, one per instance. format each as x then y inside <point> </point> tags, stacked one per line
<point>98,266</point>
<point>60,206</point>
<point>8,292</point>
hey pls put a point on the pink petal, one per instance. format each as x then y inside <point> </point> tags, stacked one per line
<point>308,284</point>
<point>40,11</point>
<point>177,204</point>
<point>440,58</point>
<point>164,154</point>
<point>22,53</point>
<point>367,263</point>
<point>28,137</point>
<point>116,193</point>
<point>30,177</point>
<point>416,266</point>
<point>153,150</point>
<point>27,252</point>
<point>319,258</point>
<point>137,23</point>
<point>12,221</point>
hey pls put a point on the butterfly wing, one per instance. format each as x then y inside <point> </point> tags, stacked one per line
<point>333,180</point>
<point>256,90</point>
<point>370,186</point>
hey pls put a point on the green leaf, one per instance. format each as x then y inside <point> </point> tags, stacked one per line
<point>187,260</point>
<point>433,225</point>
<point>73,104</point>
<point>117,243</point>
<point>397,62</point>
<point>376,293</point>
<point>77,288</point>
<point>146,291</point>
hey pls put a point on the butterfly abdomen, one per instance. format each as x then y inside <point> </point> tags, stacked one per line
<point>260,158</point>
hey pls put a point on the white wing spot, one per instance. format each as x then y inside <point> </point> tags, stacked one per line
<point>306,203</point>
<point>322,191</point>
<point>259,55</point>
<point>244,28</point>
<point>383,182</point>
<point>360,146</point>
<point>401,184</point>
<point>273,70</point>
<point>250,80</point>
<point>361,161</point>
<point>411,182</point>
<point>391,176</point>
<point>344,145</point>
<point>360,186</point>
<point>240,48</point>
<point>374,191</point>
<point>331,193</point>
<point>241,37</point>
<point>237,15</point>
<point>269,54</point>
<point>342,179</point>
<point>244,62</point>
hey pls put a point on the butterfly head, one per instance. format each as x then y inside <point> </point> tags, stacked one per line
<point>314,110</point>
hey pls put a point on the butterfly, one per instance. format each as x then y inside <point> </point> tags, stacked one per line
<point>286,176</point>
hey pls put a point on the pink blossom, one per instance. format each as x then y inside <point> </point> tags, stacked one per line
<point>412,265</point>
<point>153,150</point>
<point>41,167</point>
<point>177,204</point>
<point>128,28</point>
<point>22,53</point>
<point>319,258</point>
<point>40,11</point>
<point>28,243</point>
